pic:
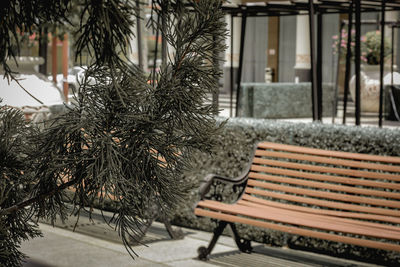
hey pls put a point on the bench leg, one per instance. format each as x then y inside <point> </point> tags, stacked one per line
<point>243,244</point>
<point>205,252</point>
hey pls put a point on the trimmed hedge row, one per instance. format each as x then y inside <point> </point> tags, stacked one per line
<point>232,156</point>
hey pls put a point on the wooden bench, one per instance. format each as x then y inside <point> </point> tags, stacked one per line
<point>339,196</point>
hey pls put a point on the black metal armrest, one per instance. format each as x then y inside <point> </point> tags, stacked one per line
<point>240,180</point>
<point>208,180</point>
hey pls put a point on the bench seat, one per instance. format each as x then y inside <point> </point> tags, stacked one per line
<point>344,197</point>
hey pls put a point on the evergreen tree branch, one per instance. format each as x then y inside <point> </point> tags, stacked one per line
<point>26,91</point>
<point>36,199</point>
<point>121,126</point>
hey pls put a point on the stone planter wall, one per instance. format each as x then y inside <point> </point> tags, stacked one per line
<point>281,100</point>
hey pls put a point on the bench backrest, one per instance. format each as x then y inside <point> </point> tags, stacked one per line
<point>334,183</point>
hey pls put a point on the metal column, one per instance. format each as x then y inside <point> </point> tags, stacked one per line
<point>314,93</point>
<point>164,49</point>
<point>334,108</point>
<point>319,67</point>
<point>357,61</point>
<point>348,62</point>
<point>153,82</point>
<point>382,63</point>
<point>43,44</point>
<point>215,93</point>
<point>231,72</point>
<point>392,56</point>
<point>139,35</point>
<point>239,77</point>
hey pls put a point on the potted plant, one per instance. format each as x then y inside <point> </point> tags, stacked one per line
<point>370,59</point>
<point>370,46</point>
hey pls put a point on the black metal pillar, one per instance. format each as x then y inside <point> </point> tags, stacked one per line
<point>348,62</point>
<point>215,93</point>
<point>314,93</point>
<point>139,36</point>
<point>164,49</point>
<point>155,53</point>
<point>319,67</point>
<point>239,77</point>
<point>382,63</point>
<point>392,56</point>
<point>357,60</point>
<point>335,103</point>
<point>231,72</point>
<point>43,43</point>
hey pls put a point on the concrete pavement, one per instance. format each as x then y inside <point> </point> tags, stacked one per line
<point>64,248</point>
<point>95,244</point>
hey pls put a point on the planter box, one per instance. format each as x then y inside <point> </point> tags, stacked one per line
<point>282,100</point>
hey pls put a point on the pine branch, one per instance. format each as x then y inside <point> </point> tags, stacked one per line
<point>38,198</point>
<point>26,91</point>
<point>114,137</point>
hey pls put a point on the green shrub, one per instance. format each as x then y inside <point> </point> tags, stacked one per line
<point>232,156</point>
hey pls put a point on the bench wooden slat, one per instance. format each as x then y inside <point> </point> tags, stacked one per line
<point>321,152</point>
<point>324,203</point>
<point>334,218</point>
<point>326,194</point>
<point>298,231</point>
<point>324,169</point>
<point>346,214</point>
<point>315,221</point>
<point>328,160</point>
<point>329,178</point>
<point>335,187</point>
<point>339,196</point>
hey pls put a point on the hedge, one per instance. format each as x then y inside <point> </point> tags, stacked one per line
<point>231,157</point>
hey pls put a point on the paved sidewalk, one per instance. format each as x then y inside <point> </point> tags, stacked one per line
<point>95,244</point>
<point>60,247</point>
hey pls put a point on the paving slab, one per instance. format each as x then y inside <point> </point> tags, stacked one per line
<point>96,244</point>
<point>63,248</point>
<point>190,263</point>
